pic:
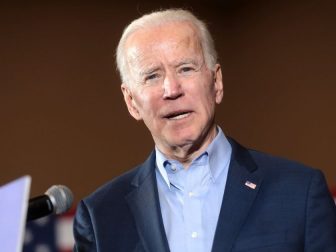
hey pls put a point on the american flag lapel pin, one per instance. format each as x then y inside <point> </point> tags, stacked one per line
<point>250,185</point>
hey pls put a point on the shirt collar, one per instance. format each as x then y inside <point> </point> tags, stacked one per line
<point>218,152</point>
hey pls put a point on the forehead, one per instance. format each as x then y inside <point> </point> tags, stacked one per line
<point>174,39</point>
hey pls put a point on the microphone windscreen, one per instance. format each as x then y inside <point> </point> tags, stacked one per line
<point>61,197</point>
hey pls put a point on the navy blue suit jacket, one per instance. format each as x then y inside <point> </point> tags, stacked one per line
<point>290,210</point>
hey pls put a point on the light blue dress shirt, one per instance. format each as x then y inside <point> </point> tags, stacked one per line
<point>191,199</point>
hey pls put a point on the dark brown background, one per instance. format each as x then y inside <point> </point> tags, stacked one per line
<point>62,114</point>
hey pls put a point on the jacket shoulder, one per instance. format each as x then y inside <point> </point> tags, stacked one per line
<point>114,189</point>
<point>273,168</point>
<point>262,158</point>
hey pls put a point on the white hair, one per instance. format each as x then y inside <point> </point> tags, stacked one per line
<point>158,18</point>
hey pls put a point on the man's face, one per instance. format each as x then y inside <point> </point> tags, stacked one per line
<point>172,89</point>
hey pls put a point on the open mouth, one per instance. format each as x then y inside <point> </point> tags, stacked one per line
<point>178,115</point>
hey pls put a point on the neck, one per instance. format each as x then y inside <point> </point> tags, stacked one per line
<point>186,153</point>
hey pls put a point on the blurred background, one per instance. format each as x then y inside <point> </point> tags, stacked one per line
<point>62,115</point>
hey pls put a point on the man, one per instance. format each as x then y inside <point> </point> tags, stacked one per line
<point>198,190</point>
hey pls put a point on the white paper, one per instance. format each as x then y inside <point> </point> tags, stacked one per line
<point>14,198</point>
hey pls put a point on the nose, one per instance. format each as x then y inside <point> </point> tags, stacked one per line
<point>172,88</point>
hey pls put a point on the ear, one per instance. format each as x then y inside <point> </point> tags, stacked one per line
<point>218,81</point>
<point>130,102</point>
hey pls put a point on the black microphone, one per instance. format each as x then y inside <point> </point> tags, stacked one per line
<point>56,200</point>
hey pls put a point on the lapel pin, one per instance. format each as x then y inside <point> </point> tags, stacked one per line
<point>250,184</point>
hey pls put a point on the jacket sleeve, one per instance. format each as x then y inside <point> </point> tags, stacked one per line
<point>83,230</point>
<point>320,229</point>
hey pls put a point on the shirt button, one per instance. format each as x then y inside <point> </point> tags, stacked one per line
<point>191,194</point>
<point>194,235</point>
<point>173,167</point>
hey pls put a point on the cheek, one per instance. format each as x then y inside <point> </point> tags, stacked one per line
<point>206,97</point>
<point>147,102</point>
<point>203,92</point>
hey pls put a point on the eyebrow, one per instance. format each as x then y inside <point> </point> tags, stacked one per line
<point>186,61</point>
<point>153,67</point>
<point>148,70</point>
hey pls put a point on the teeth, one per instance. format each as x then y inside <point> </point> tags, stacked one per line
<point>179,116</point>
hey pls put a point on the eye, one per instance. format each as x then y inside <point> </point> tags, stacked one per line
<point>152,76</point>
<point>186,69</point>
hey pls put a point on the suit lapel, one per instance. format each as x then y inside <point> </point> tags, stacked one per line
<point>144,204</point>
<point>238,197</point>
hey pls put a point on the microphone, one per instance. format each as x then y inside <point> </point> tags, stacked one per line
<point>56,200</point>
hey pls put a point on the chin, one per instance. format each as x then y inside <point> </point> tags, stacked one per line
<point>182,138</point>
